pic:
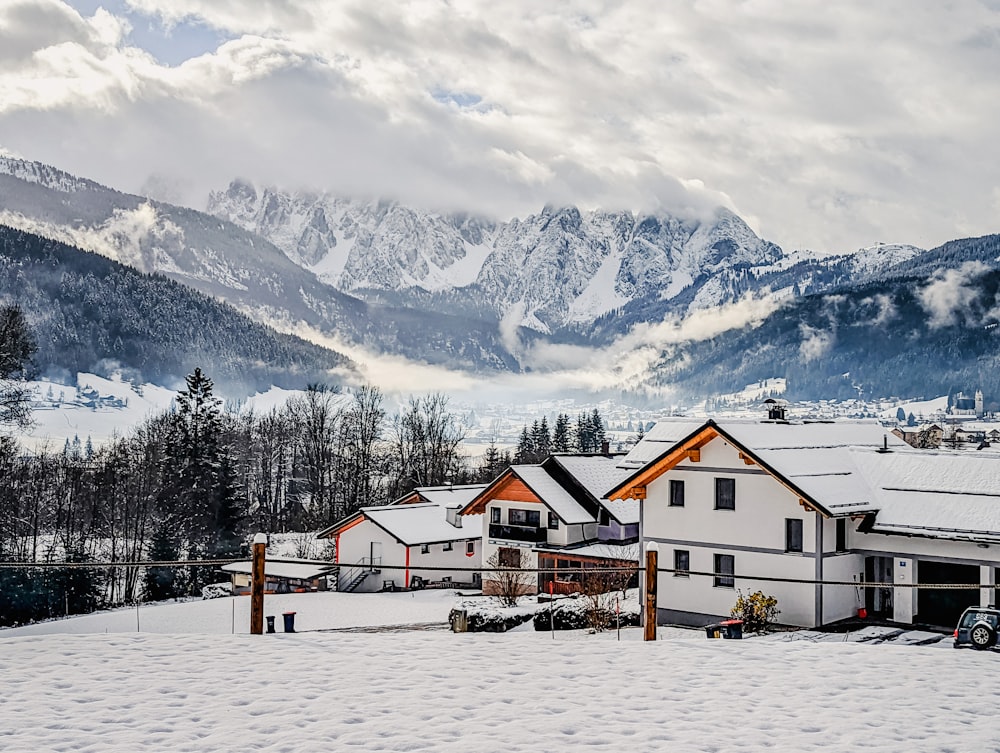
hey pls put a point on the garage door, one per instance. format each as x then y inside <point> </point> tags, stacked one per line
<point>944,606</point>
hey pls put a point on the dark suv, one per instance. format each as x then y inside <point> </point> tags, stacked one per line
<point>978,627</point>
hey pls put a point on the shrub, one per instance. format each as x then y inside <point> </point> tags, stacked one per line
<point>758,611</point>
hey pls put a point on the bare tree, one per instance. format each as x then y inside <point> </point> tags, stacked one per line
<point>425,443</point>
<point>509,578</point>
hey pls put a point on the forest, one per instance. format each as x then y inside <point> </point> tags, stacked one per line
<point>193,482</point>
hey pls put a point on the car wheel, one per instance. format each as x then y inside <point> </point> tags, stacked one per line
<point>982,635</point>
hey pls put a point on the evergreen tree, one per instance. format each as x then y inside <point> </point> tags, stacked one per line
<point>541,440</point>
<point>525,448</point>
<point>560,435</point>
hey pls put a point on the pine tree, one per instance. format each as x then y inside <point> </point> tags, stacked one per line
<point>525,449</point>
<point>560,435</point>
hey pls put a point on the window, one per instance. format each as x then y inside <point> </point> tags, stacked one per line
<point>841,534</point>
<point>494,515</point>
<point>725,494</point>
<point>425,548</point>
<point>529,518</point>
<point>725,567</point>
<point>676,493</point>
<point>447,546</point>
<point>553,521</point>
<point>509,557</point>
<point>682,563</point>
<point>793,534</point>
<point>470,547</point>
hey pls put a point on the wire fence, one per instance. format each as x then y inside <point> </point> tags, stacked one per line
<point>332,568</point>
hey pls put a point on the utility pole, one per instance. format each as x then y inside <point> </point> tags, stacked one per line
<point>649,616</point>
<point>257,585</point>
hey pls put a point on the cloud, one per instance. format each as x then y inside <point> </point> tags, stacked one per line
<point>550,369</point>
<point>949,296</point>
<point>816,343</point>
<point>832,130</point>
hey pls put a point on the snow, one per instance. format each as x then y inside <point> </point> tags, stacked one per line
<point>423,523</point>
<point>322,610</point>
<point>918,408</point>
<point>67,416</point>
<point>556,497</point>
<point>272,569</point>
<point>185,683</point>
<point>475,692</point>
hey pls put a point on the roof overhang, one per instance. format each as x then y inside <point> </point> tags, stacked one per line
<point>689,448</point>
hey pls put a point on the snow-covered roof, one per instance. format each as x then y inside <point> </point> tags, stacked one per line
<point>446,496</point>
<point>954,495</point>
<point>296,570</point>
<point>552,494</point>
<point>854,467</point>
<point>597,474</point>
<point>664,435</point>
<point>423,523</point>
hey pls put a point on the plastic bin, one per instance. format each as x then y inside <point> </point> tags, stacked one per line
<point>731,629</point>
<point>270,623</point>
<point>289,618</point>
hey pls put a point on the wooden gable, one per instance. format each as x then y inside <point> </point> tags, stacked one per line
<point>689,449</point>
<point>507,487</point>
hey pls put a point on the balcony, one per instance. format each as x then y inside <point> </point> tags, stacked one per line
<point>518,533</point>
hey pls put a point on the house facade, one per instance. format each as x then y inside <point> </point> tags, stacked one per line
<point>410,543</point>
<point>786,508</point>
<point>554,516</point>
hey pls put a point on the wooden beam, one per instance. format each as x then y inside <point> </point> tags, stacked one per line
<point>693,455</point>
<point>654,470</point>
<point>747,460</point>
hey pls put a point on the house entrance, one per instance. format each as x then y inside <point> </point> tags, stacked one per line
<point>878,601</point>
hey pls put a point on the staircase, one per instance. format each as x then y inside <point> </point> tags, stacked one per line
<point>356,581</point>
<point>351,578</point>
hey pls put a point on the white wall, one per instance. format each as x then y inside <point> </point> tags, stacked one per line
<point>438,556</point>
<point>354,545</point>
<point>841,602</point>
<point>753,533</point>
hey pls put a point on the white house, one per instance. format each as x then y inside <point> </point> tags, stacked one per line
<point>555,515</point>
<point>400,545</point>
<point>743,505</point>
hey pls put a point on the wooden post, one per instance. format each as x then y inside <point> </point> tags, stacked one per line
<point>257,585</point>
<point>649,617</point>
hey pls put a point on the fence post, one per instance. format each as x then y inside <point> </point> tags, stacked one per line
<point>257,585</point>
<point>649,617</point>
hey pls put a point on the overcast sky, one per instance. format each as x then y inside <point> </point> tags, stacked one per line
<point>825,125</point>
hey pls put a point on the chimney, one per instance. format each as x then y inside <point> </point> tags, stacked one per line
<point>775,409</point>
<point>452,516</point>
<point>605,447</point>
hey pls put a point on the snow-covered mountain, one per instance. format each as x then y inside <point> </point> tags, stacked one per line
<point>450,289</point>
<point>556,268</point>
<point>225,261</point>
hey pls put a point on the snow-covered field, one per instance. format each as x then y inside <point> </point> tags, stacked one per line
<point>185,684</point>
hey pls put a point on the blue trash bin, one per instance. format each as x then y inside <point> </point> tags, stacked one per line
<point>289,618</point>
